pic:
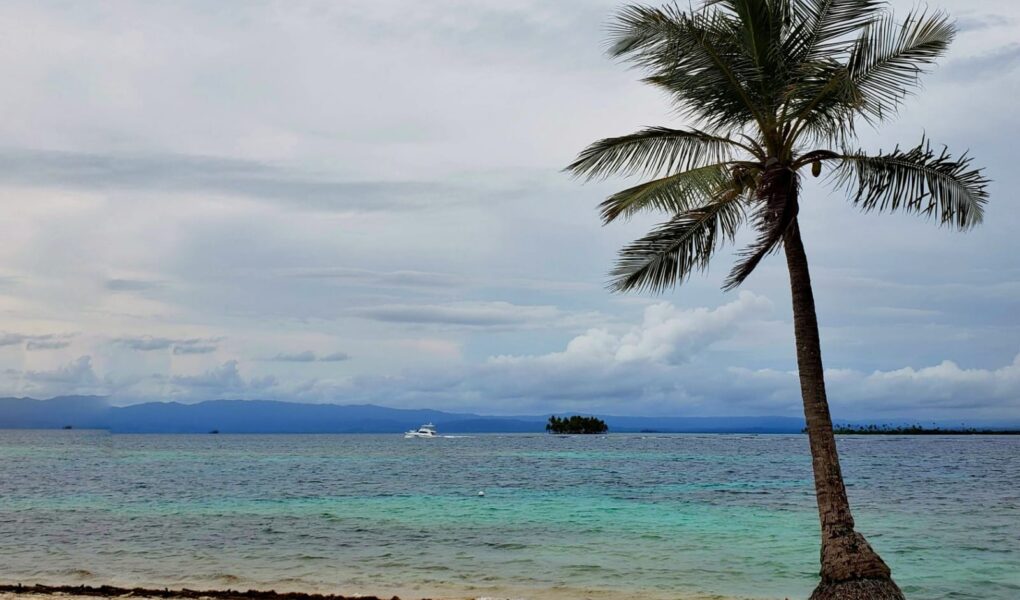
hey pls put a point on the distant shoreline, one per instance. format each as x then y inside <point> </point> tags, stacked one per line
<point>110,591</point>
<point>886,430</point>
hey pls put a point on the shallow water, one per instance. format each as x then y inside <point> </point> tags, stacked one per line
<point>670,516</point>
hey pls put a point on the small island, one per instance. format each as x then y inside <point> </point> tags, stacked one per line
<point>576,424</point>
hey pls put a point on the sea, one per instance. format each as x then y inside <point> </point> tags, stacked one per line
<point>500,516</point>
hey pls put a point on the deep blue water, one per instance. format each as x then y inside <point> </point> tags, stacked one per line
<point>670,516</point>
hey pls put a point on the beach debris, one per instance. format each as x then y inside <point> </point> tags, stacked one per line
<point>481,493</point>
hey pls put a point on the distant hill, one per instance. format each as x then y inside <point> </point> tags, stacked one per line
<point>261,416</point>
<point>28,413</point>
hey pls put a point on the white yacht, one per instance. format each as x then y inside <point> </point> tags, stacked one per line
<point>427,430</point>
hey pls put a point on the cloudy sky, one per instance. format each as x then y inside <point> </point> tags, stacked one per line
<point>362,201</point>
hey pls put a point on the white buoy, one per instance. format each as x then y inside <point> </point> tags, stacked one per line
<point>481,493</point>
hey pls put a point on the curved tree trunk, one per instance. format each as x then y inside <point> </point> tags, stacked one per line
<point>851,570</point>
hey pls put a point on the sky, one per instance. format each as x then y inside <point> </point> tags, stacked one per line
<point>363,202</point>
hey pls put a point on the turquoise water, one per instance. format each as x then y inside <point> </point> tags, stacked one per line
<point>617,516</point>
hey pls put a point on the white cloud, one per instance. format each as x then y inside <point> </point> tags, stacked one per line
<point>947,384</point>
<point>75,377</point>
<point>941,391</point>
<point>224,381</point>
<point>77,373</point>
<point>667,334</point>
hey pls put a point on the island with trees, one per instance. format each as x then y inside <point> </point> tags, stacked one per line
<point>576,424</point>
<point>917,430</point>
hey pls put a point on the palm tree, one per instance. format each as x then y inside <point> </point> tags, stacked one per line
<point>771,89</point>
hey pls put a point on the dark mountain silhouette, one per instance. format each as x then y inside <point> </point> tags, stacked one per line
<point>77,411</point>
<point>262,416</point>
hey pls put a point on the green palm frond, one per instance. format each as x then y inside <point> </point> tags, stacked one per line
<point>882,69</point>
<point>672,251</point>
<point>673,194</point>
<point>761,29</point>
<point>762,82</point>
<point>652,151</point>
<point>889,57</point>
<point>821,27</point>
<point>696,58</point>
<point>919,181</point>
<point>824,104</point>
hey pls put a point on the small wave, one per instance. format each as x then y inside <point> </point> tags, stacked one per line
<point>507,546</point>
<point>583,568</point>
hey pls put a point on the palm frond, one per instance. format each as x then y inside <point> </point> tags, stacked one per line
<point>673,194</point>
<point>823,104</point>
<point>888,59</point>
<point>672,251</point>
<point>778,207</point>
<point>652,151</point>
<point>697,58</point>
<point>919,181</point>
<point>883,67</point>
<point>760,31</point>
<point>821,28</point>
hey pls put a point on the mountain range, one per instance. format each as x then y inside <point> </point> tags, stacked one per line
<point>263,416</point>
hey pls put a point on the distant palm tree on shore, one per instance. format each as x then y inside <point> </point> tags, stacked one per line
<point>774,88</point>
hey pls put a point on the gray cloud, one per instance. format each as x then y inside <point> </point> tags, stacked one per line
<point>196,348</point>
<point>47,344</point>
<point>284,205</point>
<point>336,357</point>
<point>309,356</point>
<point>148,343</point>
<point>470,314</point>
<point>145,343</point>
<point>130,285</point>
<point>50,341</point>
<point>364,277</point>
<point>971,23</point>
<point>940,392</point>
<point>306,356</point>
<point>12,339</point>
<point>179,173</point>
<point>75,376</point>
<point>226,377</point>
<point>997,63</point>
<point>668,364</point>
<point>222,381</point>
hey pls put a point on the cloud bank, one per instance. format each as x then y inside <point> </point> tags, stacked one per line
<point>202,213</point>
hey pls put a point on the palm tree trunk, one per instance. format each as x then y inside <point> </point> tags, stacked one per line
<point>851,569</point>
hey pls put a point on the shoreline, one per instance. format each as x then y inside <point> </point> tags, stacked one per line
<point>109,591</point>
<point>40,591</point>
